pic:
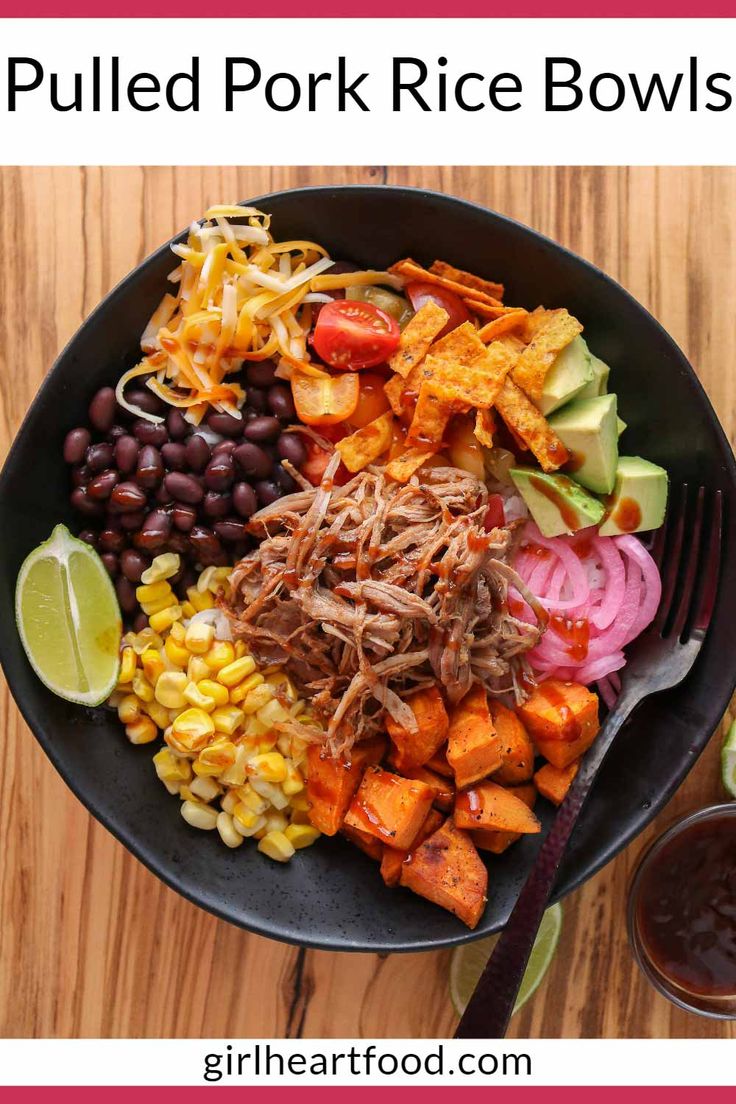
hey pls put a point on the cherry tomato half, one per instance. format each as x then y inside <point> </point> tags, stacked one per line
<point>372,400</point>
<point>420,292</point>
<point>314,466</point>
<point>324,400</point>
<point>494,516</point>
<point>354,335</point>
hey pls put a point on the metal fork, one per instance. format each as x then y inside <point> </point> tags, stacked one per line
<point>659,659</point>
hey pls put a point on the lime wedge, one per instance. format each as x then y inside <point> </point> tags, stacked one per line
<point>68,619</point>
<point>467,962</point>
<point>728,760</point>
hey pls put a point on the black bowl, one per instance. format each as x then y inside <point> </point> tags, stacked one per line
<point>332,895</point>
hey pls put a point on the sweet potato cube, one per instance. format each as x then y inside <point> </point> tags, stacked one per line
<point>413,749</point>
<point>554,782</point>
<point>491,806</point>
<point>448,870</point>
<point>368,844</point>
<point>390,808</point>
<point>562,719</point>
<point>331,783</point>
<point>443,790</point>
<point>517,749</point>
<point>473,746</point>
<point>438,763</point>
<point>392,859</point>
<point>487,839</point>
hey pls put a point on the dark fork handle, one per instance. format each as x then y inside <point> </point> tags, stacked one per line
<point>490,1007</point>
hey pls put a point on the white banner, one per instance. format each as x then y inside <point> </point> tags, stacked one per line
<point>367,91</point>
<point>376,1061</point>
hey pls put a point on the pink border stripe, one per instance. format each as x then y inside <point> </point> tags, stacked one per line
<point>501,1094</point>
<point>347,9</point>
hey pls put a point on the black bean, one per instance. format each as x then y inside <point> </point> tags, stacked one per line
<point>184,488</point>
<point>102,410</point>
<point>177,542</point>
<point>149,433</point>
<point>291,447</point>
<point>140,622</point>
<point>280,402</point>
<point>154,532</point>
<point>183,517</point>
<point>111,540</point>
<point>163,496</point>
<point>285,481</point>
<point>198,452</point>
<point>145,400</point>
<point>89,537</point>
<point>231,530</point>
<point>263,428</point>
<point>244,499</point>
<point>224,446</point>
<point>81,475</point>
<point>76,443</point>
<point>127,496</point>
<point>220,472</point>
<point>126,454</point>
<point>258,400</point>
<point>177,425</point>
<point>216,504</point>
<point>250,415</point>
<point>253,461</point>
<point>174,456</point>
<point>110,561</point>
<point>260,373</point>
<point>267,491</point>
<point>84,505</point>
<point>99,457</point>
<point>205,544</point>
<point>225,424</point>
<point>126,594</point>
<point>132,520</point>
<point>116,433</point>
<point>150,469</point>
<point>133,564</point>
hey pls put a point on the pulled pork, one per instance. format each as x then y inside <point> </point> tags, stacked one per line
<point>370,590</point>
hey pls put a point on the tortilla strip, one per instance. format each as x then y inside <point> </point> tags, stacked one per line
<point>477,283</point>
<point>505,323</point>
<point>403,467</point>
<point>554,332</point>
<point>471,373</point>
<point>523,417</point>
<point>409,270</point>
<point>485,427</point>
<point>366,444</point>
<point>485,310</point>
<point>394,390</point>
<point>417,336</point>
<point>431,416</point>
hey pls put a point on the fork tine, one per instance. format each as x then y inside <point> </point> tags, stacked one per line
<point>691,568</point>
<point>711,567</point>
<point>660,537</point>
<point>670,564</point>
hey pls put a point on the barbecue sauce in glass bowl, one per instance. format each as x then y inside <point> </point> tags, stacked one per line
<point>682,912</point>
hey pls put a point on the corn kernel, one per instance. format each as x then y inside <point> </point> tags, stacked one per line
<point>283,683</point>
<point>251,800</point>
<point>200,601</point>
<point>205,578</point>
<point>152,664</point>
<point>299,802</point>
<point>301,835</point>
<point>193,728</point>
<point>235,774</point>
<point>142,731</point>
<point>199,816</point>
<point>178,632</point>
<point>216,757</point>
<point>163,567</point>
<point>146,638</point>
<point>199,637</point>
<point>157,713</point>
<point>129,709</point>
<point>128,662</point>
<point>299,817</point>
<point>276,846</point>
<point>165,618</point>
<point>276,822</point>
<point>236,671</point>
<point>229,801</point>
<point>141,687</point>
<point>197,670</point>
<point>271,792</point>
<point>153,592</point>
<point>214,690</point>
<point>240,649</point>
<point>228,832</point>
<point>257,827</point>
<point>206,789</point>
<point>247,819</point>
<point>272,713</point>
<point>257,698</point>
<point>270,767</point>
<point>170,689</point>
<point>194,696</point>
<point>293,783</point>
<point>227,718</point>
<point>188,610</point>
<point>171,770</point>
<point>175,650</point>
<point>220,655</point>
<point>241,691</point>
<point>266,744</point>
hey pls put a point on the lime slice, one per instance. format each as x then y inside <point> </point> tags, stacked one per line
<point>728,760</point>
<point>68,619</point>
<point>468,962</point>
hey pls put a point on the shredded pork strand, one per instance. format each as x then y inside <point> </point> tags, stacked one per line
<point>370,590</point>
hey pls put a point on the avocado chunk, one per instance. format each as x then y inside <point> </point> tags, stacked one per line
<point>599,383</point>
<point>557,504</point>
<point>588,430</point>
<point>569,374</point>
<point>639,498</point>
<point>620,425</point>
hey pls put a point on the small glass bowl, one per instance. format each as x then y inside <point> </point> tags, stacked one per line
<point>717,1008</point>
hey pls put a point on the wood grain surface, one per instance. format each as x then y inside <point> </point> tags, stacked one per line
<point>91,944</point>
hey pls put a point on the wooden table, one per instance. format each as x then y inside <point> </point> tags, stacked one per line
<point>91,943</point>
